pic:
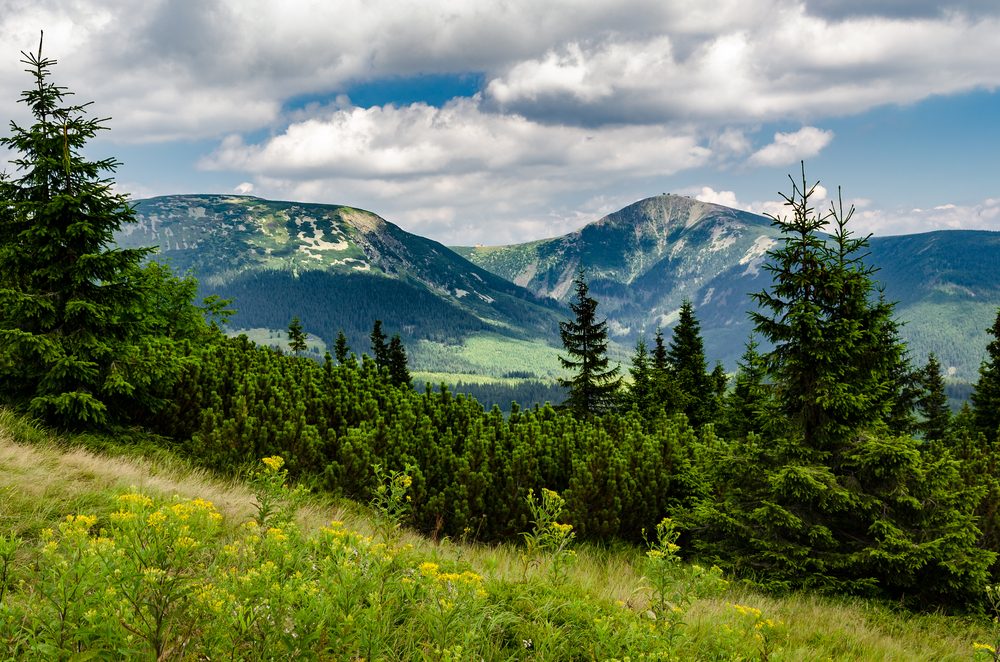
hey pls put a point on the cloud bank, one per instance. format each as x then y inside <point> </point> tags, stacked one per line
<point>579,100</point>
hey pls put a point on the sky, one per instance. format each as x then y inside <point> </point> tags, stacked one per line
<point>474,122</point>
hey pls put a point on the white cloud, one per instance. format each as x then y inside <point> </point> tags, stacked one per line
<point>442,171</point>
<point>778,62</point>
<point>724,198</point>
<point>244,188</point>
<point>581,98</point>
<point>196,69</point>
<point>789,148</point>
<point>420,140</point>
<point>984,215</point>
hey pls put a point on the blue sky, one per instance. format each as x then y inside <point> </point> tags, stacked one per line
<point>485,122</point>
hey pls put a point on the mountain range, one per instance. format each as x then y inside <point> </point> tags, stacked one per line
<point>493,310</point>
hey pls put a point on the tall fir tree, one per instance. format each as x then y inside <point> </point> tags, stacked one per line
<point>75,343</point>
<point>666,398</point>
<point>746,407</point>
<point>832,498</point>
<point>686,356</point>
<point>340,348</point>
<point>399,373</point>
<point>933,401</point>
<point>640,390</point>
<point>986,394</point>
<point>296,336</point>
<point>380,348</point>
<point>837,358</point>
<point>595,387</point>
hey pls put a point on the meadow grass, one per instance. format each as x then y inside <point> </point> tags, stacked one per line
<point>363,587</point>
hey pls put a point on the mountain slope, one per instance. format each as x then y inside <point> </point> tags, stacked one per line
<point>645,259</point>
<point>336,267</point>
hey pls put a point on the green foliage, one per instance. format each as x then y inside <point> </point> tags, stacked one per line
<point>470,468</point>
<point>390,503</point>
<point>674,586</point>
<point>86,334</point>
<point>933,402</point>
<point>830,498</point>
<point>594,389</point>
<point>399,373</point>
<point>548,541</point>
<point>296,336</point>
<point>686,357</point>
<point>380,349</point>
<point>986,395</point>
<point>749,406</point>
<point>991,650</point>
<point>68,301</point>
<point>341,350</point>
<point>837,358</point>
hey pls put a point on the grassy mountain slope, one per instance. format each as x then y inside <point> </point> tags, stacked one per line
<point>336,268</point>
<point>645,259</point>
<point>337,591</point>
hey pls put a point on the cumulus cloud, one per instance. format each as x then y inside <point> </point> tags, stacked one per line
<point>767,68</point>
<point>436,166</point>
<point>579,97</point>
<point>244,188</point>
<point>984,215</point>
<point>181,69</point>
<point>789,148</point>
<point>421,140</point>
<point>724,198</point>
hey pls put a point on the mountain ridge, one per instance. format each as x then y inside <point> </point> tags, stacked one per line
<point>336,267</point>
<point>944,281</point>
<point>341,267</point>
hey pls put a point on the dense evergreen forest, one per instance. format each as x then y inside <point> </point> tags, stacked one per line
<point>830,462</point>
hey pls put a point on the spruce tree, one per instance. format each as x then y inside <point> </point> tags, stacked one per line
<point>665,396</point>
<point>340,348</point>
<point>837,358</point>
<point>594,389</point>
<point>660,361</point>
<point>746,407</point>
<point>831,497</point>
<point>296,336</point>
<point>686,356</point>
<point>933,402</point>
<point>639,389</point>
<point>380,349</point>
<point>72,331</point>
<point>399,373</point>
<point>986,394</point>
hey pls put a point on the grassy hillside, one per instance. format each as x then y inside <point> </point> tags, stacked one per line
<point>140,556</point>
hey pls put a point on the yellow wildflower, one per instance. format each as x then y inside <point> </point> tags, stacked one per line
<point>136,498</point>
<point>984,647</point>
<point>428,569</point>
<point>562,529</point>
<point>122,516</point>
<point>186,542</point>
<point>276,534</point>
<point>747,611</point>
<point>155,519</point>
<point>274,463</point>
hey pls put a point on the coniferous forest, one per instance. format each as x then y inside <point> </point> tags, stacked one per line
<point>829,462</point>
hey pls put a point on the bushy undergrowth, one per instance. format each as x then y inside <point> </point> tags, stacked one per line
<point>139,574</point>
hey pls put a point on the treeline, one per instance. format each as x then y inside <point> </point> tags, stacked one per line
<point>526,393</point>
<point>347,303</point>
<point>829,463</point>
